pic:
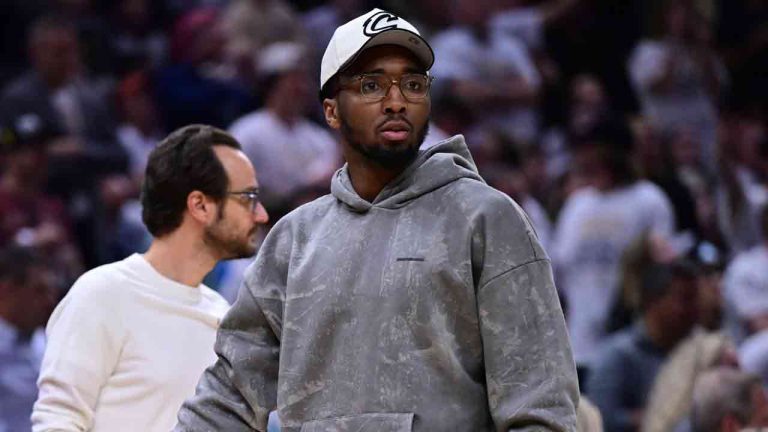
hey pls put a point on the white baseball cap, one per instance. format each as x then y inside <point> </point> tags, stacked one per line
<point>377,27</point>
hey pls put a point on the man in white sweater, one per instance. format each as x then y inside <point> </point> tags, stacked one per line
<point>128,343</point>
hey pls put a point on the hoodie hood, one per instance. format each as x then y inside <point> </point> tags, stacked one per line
<point>433,168</point>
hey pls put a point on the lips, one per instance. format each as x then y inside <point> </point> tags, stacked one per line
<point>395,130</point>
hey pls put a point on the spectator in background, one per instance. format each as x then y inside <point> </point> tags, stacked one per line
<point>139,132</point>
<point>597,224</point>
<point>727,400</point>
<point>529,22</point>
<point>250,25</point>
<point>136,41</point>
<point>626,366</point>
<point>129,341</point>
<point>669,402</point>
<point>679,77</point>
<point>291,153</point>
<point>746,289</point>
<point>492,72</point>
<point>140,127</point>
<point>77,108</point>
<point>588,106</point>
<point>507,174</point>
<point>60,93</point>
<point>201,85</point>
<point>28,215</point>
<point>743,190</point>
<point>28,293</point>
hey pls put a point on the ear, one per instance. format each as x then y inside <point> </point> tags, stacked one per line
<point>331,111</point>
<point>201,208</point>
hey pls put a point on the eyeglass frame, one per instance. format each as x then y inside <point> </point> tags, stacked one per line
<point>428,85</point>
<point>252,195</point>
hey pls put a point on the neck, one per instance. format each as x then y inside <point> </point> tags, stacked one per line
<point>369,178</point>
<point>181,257</point>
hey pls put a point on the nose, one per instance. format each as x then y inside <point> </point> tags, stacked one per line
<point>260,216</point>
<point>395,101</point>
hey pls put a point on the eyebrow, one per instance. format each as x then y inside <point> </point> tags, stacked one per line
<point>249,189</point>
<point>408,70</point>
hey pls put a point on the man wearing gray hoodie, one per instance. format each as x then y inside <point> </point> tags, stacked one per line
<point>414,297</point>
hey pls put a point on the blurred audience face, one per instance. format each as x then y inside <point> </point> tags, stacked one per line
<point>678,21</point>
<point>55,55</point>
<point>135,14</point>
<point>710,300</point>
<point>752,136</point>
<point>685,148</point>
<point>677,310</point>
<point>588,103</point>
<point>197,37</point>
<point>137,106</point>
<point>474,13</point>
<point>27,305</point>
<point>27,166</point>
<point>290,92</point>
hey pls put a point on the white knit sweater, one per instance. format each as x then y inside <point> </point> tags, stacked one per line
<point>126,347</point>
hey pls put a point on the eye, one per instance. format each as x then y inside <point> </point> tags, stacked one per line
<point>414,84</point>
<point>370,85</point>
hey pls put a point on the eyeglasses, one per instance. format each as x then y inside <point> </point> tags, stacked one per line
<point>248,197</point>
<point>375,86</point>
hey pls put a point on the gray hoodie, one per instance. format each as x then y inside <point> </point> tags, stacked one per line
<point>430,309</point>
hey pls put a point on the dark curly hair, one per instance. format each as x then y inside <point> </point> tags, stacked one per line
<point>182,163</point>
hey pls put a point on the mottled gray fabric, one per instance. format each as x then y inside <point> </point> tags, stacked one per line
<point>430,309</point>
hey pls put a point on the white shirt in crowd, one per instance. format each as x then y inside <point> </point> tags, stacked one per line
<point>745,290</point>
<point>460,55</point>
<point>126,347</point>
<point>593,231</point>
<point>686,103</point>
<point>286,157</point>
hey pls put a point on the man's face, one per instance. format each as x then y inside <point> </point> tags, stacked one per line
<point>56,56</point>
<point>235,232</point>
<point>680,310</point>
<point>36,299</point>
<point>390,131</point>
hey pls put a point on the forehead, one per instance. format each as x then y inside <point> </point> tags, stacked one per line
<point>388,59</point>
<point>238,167</point>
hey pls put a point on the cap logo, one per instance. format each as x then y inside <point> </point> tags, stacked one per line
<point>379,22</point>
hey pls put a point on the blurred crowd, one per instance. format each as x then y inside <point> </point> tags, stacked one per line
<point>632,132</point>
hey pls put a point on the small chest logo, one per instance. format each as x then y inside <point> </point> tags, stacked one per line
<point>379,22</point>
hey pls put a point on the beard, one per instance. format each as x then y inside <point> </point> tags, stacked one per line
<point>386,157</point>
<point>226,242</point>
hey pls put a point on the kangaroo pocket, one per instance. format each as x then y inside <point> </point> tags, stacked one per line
<point>373,422</point>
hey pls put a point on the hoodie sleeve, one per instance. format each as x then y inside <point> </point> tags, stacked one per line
<point>530,372</point>
<point>240,389</point>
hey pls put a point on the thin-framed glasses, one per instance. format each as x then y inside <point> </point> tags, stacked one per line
<point>248,197</point>
<point>375,86</point>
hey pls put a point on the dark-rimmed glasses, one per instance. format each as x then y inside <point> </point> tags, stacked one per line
<point>248,197</point>
<point>375,86</point>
